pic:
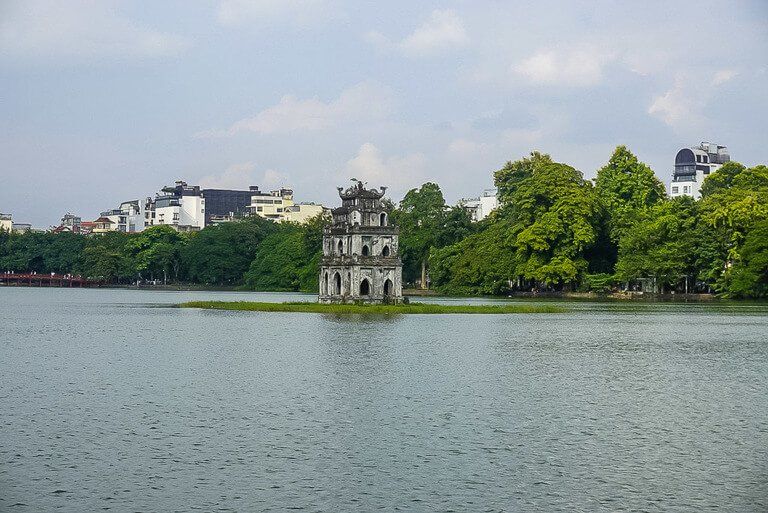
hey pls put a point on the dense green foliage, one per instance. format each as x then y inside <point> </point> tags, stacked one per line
<point>288,259</point>
<point>354,308</point>
<point>426,222</point>
<point>554,230</point>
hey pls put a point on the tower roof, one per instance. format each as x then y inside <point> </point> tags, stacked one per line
<point>359,191</point>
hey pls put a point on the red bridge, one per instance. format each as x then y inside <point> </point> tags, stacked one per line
<point>47,280</point>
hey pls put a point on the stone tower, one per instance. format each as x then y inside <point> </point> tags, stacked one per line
<point>360,251</point>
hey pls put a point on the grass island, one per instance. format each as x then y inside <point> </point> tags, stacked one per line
<point>376,309</point>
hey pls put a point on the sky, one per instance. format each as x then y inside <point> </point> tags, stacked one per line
<point>104,101</point>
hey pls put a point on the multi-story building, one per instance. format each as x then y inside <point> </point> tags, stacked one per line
<point>6,223</point>
<point>693,165</point>
<point>226,204</point>
<point>360,251</point>
<point>128,217</point>
<point>303,212</point>
<point>271,205</point>
<point>190,208</point>
<point>181,207</point>
<point>480,207</point>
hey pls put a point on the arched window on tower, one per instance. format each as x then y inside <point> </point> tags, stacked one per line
<point>337,284</point>
<point>385,251</point>
<point>341,248</point>
<point>366,250</point>
<point>383,219</point>
<point>365,287</point>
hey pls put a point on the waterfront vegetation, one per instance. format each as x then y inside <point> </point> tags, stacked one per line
<point>377,309</point>
<point>553,231</point>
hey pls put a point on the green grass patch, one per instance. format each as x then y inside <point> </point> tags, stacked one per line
<point>412,308</point>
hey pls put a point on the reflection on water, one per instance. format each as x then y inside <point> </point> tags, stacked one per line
<point>110,402</point>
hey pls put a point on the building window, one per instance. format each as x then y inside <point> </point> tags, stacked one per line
<point>366,251</point>
<point>675,190</point>
<point>385,249</point>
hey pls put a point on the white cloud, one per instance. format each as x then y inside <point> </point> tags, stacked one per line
<point>724,75</point>
<point>296,12</point>
<point>364,101</point>
<point>398,173</point>
<point>443,30</point>
<point>579,67</point>
<point>686,101</point>
<point>79,29</point>
<point>242,176</point>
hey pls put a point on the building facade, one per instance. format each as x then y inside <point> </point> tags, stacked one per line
<point>128,217</point>
<point>271,205</point>
<point>693,165</point>
<point>360,260</point>
<point>226,204</point>
<point>479,208</point>
<point>181,207</point>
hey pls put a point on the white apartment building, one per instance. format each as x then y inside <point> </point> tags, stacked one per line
<point>128,218</point>
<point>693,165</point>
<point>181,207</point>
<point>479,208</point>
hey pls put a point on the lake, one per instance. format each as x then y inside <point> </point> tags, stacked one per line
<point>112,400</point>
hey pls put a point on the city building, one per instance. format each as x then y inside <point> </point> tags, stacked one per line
<point>303,212</point>
<point>226,205</point>
<point>103,225</point>
<point>6,223</point>
<point>191,208</point>
<point>22,228</point>
<point>693,165</point>
<point>181,207</point>
<point>271,205</point>
<point>128,217</point>
<point>480,207</point>
<point>360,251</point>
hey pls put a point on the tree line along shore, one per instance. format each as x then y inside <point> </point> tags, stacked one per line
<point>554,231</point>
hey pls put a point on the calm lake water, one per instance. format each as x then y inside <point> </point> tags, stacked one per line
<point>111,401</point>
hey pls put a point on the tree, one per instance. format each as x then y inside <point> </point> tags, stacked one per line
<point>288,259</point>
<point>509,177</point>
<point>732,205</point>
<point>721,179</point>
<point>552,212</point>
<point>626,188</point>
<point>482,263</point>
<point>157,251</point>
<point>661,245</point>
<point>107,258</point>
<point>221,254</point>
<point>749,276</point>
<point>420,216</point>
